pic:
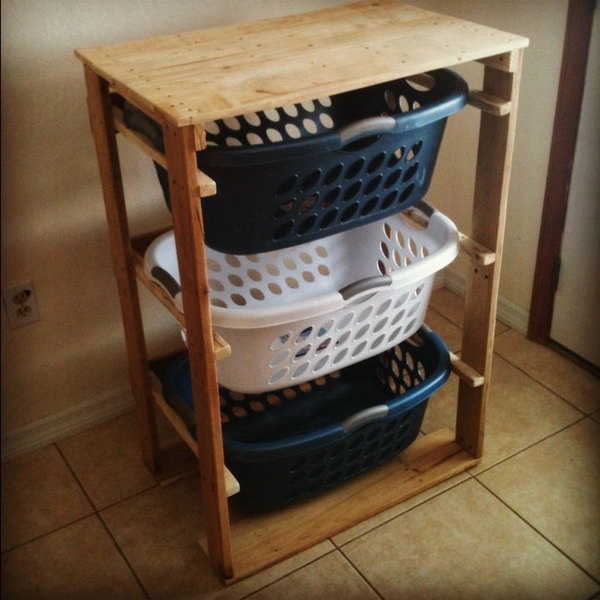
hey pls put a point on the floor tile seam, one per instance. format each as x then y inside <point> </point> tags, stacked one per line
<point>361,574</point>
<point>435,310</point>
<point>547,437</point>
<point>98,509</point>
<point>538,381</point>
<point>595,595</point>
<point>47,533</point>
<point>291,572</point>
<point>461,327</point>
<point>123,556</point>
<point>534,528</point>
<point>72,471</point>
<point>127,498</point>
<point>402,513</point>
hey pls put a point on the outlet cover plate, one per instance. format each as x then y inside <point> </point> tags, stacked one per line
<point>21,305</point>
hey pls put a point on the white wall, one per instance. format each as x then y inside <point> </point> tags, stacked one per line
<point>53,225</point>
<point>543,22</point>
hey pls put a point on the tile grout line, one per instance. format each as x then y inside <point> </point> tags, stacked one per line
<point>358,571</point>
<point>503,460</point>
<point>42,535</point>
<point>340,546</point>
<point>123,556</point>
<point>104,525</point>
<point>539,382</point>
<point>485,487</point>
<point>516,365</point>
<point>278,579</point>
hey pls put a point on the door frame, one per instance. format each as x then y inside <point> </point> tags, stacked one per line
<point>571,85</point>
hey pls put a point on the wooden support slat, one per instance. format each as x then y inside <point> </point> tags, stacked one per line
<point>100,112</point>
<point>475,250</point>
<point>466,373</point>
<point>489,104</point>
<point>187,221</point>
<point>206,185</point>
<point>221,348</point>
<point>260,540</point>
<point>232,485</point>
<point>496,139</point>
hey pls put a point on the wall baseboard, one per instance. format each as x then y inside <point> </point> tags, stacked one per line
<point>58,426</point>
<point>511,314</point>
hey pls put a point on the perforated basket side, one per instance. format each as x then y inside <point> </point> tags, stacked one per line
<point>261,432</point>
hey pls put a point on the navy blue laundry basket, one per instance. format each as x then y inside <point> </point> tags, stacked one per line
<point>297,173</point>
<point>290,444</point>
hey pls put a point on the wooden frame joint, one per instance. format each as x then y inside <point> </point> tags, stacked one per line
<point>507,62</point>
<point>206,185</point>
<point>479,253</point>
<point>465,372</point>
<point>489,104</point>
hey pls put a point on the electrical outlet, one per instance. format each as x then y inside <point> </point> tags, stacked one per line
<point>21,304</point>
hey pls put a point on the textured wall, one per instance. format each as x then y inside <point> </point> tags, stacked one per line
<point>53,225</point>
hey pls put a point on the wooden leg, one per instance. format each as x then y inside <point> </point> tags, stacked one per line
<point>496,139</point>
<point>101,121</point>
<point>185,203</point>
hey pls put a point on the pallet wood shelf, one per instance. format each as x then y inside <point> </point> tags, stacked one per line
<point>187,79</point>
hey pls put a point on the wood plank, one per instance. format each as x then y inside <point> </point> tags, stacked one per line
<point>220,346</point>
<point>187,220</point>
<point>496,140</point>
<point>466,373</point>
<point>261,540</point>
<point>489,104</point>
<point>100,111</point>
<point>232,485</point>
<point>198,76</point>
<point>206,185</point>
<point>509,62</point>
<point>476,251</point>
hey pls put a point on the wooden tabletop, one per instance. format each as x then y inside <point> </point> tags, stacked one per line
<point>197,76</point>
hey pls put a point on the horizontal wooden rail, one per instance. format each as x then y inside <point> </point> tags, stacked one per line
<point>489,104</point>
<point>475,250</point>
<point>232,485</point>
<point>466,373</point>
<point>221,348</point>
<point>206,185</point>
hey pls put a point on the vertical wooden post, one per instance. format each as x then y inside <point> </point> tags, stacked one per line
<point>496,139</point>
<point>187,217</point>
<point>100,111</point>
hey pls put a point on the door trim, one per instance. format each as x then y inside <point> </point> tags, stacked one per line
<point>576,45</point>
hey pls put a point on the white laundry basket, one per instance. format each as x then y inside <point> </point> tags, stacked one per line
<point>294,314</point>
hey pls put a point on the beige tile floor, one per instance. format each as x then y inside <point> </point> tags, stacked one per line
<point>83,519</point>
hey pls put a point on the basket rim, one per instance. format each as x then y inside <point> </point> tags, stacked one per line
<point>435,379</point>
<point>438,226</point>
<point>443,104</point>
<point>330,141</point>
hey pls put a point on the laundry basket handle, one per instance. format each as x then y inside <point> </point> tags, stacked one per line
<point>367,284</point>
<point>366,127</point>
<point>365,416</point>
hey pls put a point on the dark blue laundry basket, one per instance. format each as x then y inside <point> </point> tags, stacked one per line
<point>294,174</point>
<point>290,444</point>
